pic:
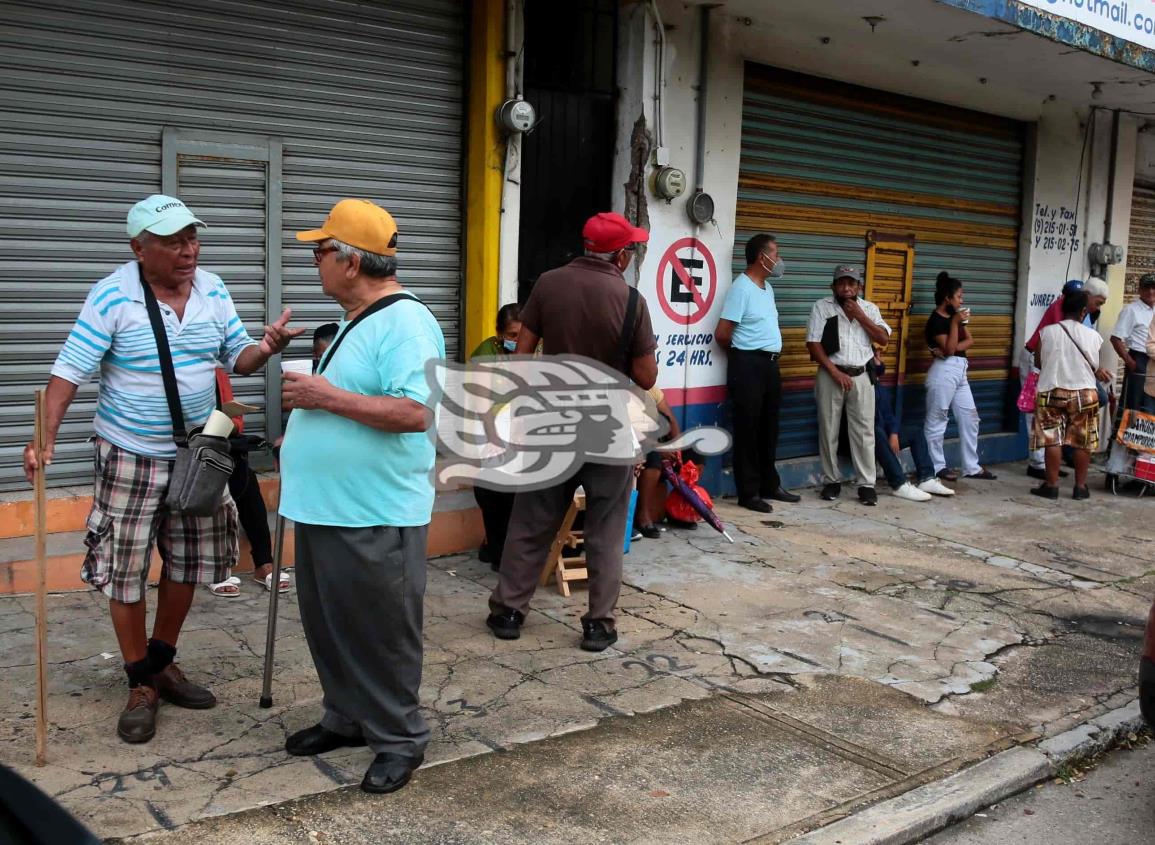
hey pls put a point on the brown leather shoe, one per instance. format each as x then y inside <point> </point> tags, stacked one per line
<point>137,721</point>
<point>175,688</point>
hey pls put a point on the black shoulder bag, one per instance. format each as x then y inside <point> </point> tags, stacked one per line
<point>626,341</point>
<point>203,464</point>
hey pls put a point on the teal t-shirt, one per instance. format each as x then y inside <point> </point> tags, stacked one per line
<point>756,313</point>
<point>335,471</point>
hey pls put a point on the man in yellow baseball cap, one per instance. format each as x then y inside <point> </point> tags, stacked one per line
<point>357,480</point>
<point>359,223</point>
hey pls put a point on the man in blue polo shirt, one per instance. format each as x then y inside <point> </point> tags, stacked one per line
<point>748,331</point>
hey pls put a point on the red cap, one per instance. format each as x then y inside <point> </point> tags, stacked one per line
<point>609,232</point>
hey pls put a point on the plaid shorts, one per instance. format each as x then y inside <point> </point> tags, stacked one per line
<point>129,515</point>
<point>1066,418</point>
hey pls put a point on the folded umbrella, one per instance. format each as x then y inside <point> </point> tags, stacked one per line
<point>687,492</point>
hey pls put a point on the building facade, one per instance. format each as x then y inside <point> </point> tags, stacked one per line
<point>998,141</point>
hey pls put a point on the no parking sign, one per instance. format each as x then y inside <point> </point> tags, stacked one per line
<point>687,281</point>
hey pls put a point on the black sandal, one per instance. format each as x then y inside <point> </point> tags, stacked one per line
<point>985,475</point>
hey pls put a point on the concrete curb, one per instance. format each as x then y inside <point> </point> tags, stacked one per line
<point>930,808</point>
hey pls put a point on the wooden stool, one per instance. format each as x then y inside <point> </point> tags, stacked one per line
<point>566,569</point>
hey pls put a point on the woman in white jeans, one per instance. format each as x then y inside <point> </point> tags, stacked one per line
<point>947,388</point>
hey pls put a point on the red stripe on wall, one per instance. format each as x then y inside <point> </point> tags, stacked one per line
<point>695,395</point>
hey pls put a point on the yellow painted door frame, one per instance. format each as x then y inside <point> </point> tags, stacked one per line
<point>889,285</point>
<point>484,166</point>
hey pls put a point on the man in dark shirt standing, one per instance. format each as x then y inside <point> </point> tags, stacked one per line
<point>580,309</point>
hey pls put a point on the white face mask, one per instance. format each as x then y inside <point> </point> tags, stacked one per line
<point>776,270</point>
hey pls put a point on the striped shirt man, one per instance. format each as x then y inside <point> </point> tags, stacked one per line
<point>113,335</point>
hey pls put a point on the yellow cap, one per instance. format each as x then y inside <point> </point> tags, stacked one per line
<point>359,223</point>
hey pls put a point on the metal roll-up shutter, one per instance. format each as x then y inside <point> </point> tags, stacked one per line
<point>347,99</point>
<point>1140,250</point>
<point>823,164</point>
<point>1141,239</point>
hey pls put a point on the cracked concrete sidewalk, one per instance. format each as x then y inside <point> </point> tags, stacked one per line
<point>879,646</point>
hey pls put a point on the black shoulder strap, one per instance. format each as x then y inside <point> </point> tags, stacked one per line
<point>380,305</point>
<point>626,341</point>
<point>1086,357</point>
<point>167,373</point>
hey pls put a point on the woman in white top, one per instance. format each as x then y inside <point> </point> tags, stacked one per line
<point>1067,402</point>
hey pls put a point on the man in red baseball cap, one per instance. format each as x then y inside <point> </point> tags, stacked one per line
<point>609,232</point>
<point>584,308</point>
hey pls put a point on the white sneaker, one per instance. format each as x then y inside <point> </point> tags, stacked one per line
<point>911,493</point>
<point>935,487</point>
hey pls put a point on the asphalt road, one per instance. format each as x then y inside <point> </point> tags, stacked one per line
<point>1113,805</point>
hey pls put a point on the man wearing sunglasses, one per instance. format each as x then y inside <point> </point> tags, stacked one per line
<point>357,481</point>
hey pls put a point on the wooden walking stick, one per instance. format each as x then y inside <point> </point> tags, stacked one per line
<point>41,590</point>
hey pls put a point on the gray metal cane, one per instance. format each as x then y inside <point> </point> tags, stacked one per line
<point>271,633</point>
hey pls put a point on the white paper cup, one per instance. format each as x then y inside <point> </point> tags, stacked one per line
<point>218,425</point>
<point>301,366</point>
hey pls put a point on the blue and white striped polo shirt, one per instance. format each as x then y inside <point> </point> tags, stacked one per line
<point>113,334</point>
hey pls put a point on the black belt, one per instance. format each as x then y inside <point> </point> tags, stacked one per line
<point>773,356</point>
<point>853,372</point>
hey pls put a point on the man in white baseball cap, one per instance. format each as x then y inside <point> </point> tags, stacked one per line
<point>136,440</point>
<point>160,215</point>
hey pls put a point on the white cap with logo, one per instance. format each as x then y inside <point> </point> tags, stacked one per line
<point>160,215</point>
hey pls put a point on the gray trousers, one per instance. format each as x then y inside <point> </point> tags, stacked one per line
<point>859,405</point>
<point>536,518</point>
<point>361,593</point>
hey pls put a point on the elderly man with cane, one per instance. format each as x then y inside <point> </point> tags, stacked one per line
<point>356,476</point>
<point>117,333</point>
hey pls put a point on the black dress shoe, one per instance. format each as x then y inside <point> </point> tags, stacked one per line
<point>868,496</point>
<point>506,624</point>
<point>650,532</point>
<point>1045,491</point>
<point>597,635</point>
<point>318,740</point>
<point>759,505</point>
<point>1037,472</point>
<point>1081,493</point>
<point>389,772</point>
<point>784,495</point>
<point>830,492</point>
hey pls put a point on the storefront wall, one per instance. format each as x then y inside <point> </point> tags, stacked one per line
<point>1061,140</point>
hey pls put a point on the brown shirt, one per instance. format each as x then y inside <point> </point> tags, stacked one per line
<point>579,309</point>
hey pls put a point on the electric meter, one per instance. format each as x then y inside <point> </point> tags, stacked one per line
<point>669,183</point>
<point>516,116</point>
<point>700,207</point>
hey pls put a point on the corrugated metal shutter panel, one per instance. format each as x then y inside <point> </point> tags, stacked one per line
<point>823,163</point>
<point>233,194</point>
<point>1140,250</point>
<point>1141,239</point>
<point>367,99</point>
